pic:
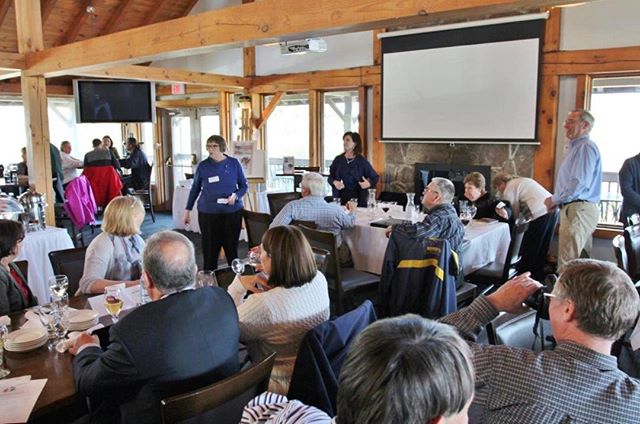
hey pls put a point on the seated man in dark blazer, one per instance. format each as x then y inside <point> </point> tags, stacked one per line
<point>183,339</point>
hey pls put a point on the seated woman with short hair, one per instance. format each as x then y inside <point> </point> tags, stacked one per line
<point>15,294</point>
<point>486,205</point>
<point>280,310</point>
<point>114,256</point>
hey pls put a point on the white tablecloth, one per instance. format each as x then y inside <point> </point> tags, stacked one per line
<point>35,249</point>
<point>484,243</point>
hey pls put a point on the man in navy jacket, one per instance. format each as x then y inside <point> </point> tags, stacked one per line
<point>182,340</point>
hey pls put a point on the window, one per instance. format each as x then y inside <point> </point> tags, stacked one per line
<point>614,103</point>
<point>340,114</point>
<point>209,125</point>
<point>287,134</point>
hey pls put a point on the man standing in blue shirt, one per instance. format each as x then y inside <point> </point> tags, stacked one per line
<point>577,188</point>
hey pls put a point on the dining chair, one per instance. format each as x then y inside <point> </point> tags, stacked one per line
<point>632,247</point>
<point>390,196</point>
<point>23,266</point>
<point>69,262</point>
<point>145,196</point>
<point>341,280</point>
<point>309,224</point>
<point>277,201</point>
<point>320,256</point>
<point>256,224</point>
<point>221,402</point>
<point>620,253</point>
<point>497,273</point>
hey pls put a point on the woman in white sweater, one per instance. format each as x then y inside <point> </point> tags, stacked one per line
<point>280,310</point>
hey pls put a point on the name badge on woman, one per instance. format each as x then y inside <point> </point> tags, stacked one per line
<point>214,179</point>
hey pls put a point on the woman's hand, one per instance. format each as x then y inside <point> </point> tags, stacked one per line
<point>338,184</point>
<point>232,199</point>
<point>502,213</point>
<point>186,218</point>
<point>254,283</point>
<point>364,183</point>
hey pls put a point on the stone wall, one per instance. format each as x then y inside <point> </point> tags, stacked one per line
<point>401,157</point>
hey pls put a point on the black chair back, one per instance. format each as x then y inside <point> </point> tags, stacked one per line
<point>513,254</point>
<point>632,247</point>
<point>69,262</point>
<point>23,266</point>
<point>145,196</point>
<point>321,256</point>
<point>222,402</point>
<point>225,276</point>
<point>309,224</point>
<point>621,253</point>
<point>390,196</point>
<point>256,224</point>
<point>278,200</point>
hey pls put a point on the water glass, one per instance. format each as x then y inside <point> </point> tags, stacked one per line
<point>206,278</point>
<point>3,336</point>
<point>237,265</point>
<point>58,285</point>
<point>44,315</point>
<point>59,318</point>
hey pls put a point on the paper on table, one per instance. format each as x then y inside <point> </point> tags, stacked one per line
<point>18,396</point>
<point>130,296</point>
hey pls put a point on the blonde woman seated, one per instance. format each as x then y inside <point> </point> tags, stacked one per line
<point>280,310</point>
<point>113,257</point>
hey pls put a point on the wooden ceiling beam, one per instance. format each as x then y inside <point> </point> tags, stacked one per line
<point>115,17</point>
<point>46,8</point>
<point>4,9</point>
<point>52,89</point>
<point>188,102</point>
<point>153,12</point>
<point>12,61</point>
<point>78,22</point>
<point>148,73</point>
<point>262,22</point>
<point>317,80</point>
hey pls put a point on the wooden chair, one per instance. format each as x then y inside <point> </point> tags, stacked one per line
<point>632,247</point>
<point>620,253</point>
<point>256,225</point>
<point>321,256</point>
<point>69,262</point>
<point>278,200</point>
<point>341,280</point>
<point>223,401</point>
<point>493,273</point>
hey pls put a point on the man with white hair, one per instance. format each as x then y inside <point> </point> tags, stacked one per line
<point>312,207</point>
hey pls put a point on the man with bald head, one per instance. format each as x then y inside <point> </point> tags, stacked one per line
<point>183,339</point>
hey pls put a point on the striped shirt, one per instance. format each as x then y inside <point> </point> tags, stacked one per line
<point>571,384</point>
<point>271,408</point>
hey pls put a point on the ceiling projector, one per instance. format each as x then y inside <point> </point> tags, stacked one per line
<point>310,45</point>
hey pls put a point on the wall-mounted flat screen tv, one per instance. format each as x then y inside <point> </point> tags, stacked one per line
<point>114,101</point>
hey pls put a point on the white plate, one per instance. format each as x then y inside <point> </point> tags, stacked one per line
<point>26,335</point>
<point>82,316</point>
<point>27,348</point>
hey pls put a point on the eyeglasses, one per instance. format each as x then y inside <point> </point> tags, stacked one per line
<point>572,121</point>
<point>211,146</point>
<point>428,190</point>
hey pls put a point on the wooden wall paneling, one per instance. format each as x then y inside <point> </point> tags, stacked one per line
<point>115,17</point>
<point>315,128</point>
<point>378,154</point>
<point>544,160</point>
<point>34,98</point>
<point>583,91</point>
<point>258,23</point>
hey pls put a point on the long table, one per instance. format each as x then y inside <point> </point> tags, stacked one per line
<point>484,243</point>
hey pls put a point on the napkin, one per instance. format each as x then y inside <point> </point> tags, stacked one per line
<point>32,320</point>
<point>67,344</point>
<point>5,320</point>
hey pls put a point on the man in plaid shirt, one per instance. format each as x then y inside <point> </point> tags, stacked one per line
<point>592,305</point>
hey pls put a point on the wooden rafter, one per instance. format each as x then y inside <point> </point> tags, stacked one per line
<point>189,6</point>
<point>576,62</point>
<point>46,6</point>
<point>153,12</point>
<point>259,122</point>
<point>258,23</point>
<point>148,73</point>
<point>78,22</point>
<point>115,17</point>
<point>320,80</point>
<point>11,61</point>
<point>4,9</point>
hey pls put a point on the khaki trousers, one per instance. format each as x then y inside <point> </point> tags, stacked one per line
<point>578,221</point>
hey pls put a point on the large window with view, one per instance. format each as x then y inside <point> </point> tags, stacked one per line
<point>340,114</point>
<point>614,103</point>
<point>287,134</point>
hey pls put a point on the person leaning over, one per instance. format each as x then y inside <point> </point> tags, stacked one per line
<point>592,304</point>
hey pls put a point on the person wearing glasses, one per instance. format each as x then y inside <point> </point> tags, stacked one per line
<point>441,220</point>
<point>220,182</point>
<point>15,294</point>
<point>577,188</point>
<point>592,305</point>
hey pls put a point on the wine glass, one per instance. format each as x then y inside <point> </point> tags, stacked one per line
<point>113,301</point>
<point>58,286</point>
<point>3,337</point>
<point>206,278</point>
<point>44,315</point>
<point>238,265</point>
<point>254,260</point>
<point>59,317</point>
<point>465,216</point>
<point>472,211</point>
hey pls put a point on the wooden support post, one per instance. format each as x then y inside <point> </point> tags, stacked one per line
<point>583,91</point>
<point>315,128</point>
<point>225,116</point>
<point>362,118</point>
<point>34,96</point>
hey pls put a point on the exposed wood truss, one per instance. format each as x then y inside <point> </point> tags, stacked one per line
<point>575,62</point>
<point>146,73</point>
<point>319,80</point>
<point>116,16</point>
<point>256,23</point>
<point>259,122</point>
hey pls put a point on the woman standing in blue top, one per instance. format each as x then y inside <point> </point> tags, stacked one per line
<point>221,185</point>
<point>351,174</point>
